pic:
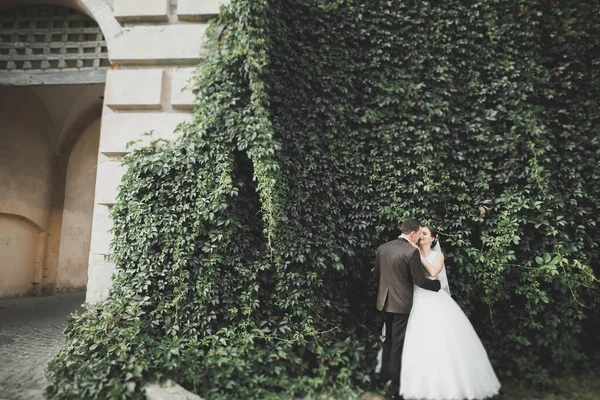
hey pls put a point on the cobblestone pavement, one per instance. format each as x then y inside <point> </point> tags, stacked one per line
<point>30,336</point>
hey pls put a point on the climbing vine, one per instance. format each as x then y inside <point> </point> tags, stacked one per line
<point>244,248</point>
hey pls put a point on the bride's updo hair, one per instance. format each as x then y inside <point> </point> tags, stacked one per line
<point>434,235</point>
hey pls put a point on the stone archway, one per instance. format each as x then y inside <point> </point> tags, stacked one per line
<point>53,64</point>
<point>154,49</point>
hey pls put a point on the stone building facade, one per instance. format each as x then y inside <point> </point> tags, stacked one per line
<point>79,79</point>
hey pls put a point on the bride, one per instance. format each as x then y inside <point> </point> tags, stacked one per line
<point>443,358</point>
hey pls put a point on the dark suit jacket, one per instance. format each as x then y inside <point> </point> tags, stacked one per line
<point>397,267</point>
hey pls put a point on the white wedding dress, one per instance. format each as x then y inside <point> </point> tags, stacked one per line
<point>443,358</point>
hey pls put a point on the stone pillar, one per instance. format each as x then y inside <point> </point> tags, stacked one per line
<point>80,179</point>
<point>152,60</point>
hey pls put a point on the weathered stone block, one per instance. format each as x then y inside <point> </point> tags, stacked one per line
<point>198,10</point>
<point>101,236</point>
<point>141,10</point>
<point>167,44</point>
<point>174,392</point>
<point>107,182</point>
<point>99,278</point>
<point>182,97</point>
<point>118,129</point>
<point>134,89</point>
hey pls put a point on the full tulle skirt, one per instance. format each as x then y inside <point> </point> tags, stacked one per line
<point>443,358</point>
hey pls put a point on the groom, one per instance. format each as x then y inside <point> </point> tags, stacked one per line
<point>397,267</point>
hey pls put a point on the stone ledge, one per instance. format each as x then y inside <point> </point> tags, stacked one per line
<point>159,45</point>
<point>141,10</point>
<point>134,89</point>
<point>31,78</point>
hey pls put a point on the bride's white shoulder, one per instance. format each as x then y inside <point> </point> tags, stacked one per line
<point>439,256</point>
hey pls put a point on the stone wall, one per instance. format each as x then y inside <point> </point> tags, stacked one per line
<point>26,175</point>
<point>26,155</point>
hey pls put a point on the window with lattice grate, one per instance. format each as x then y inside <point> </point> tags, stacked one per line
<point>50,38</point>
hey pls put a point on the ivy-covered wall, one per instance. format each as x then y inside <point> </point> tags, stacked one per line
<point>245,248</point>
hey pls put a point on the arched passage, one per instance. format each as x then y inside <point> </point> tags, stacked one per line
<point>53,62</point>
<point>19,255</point>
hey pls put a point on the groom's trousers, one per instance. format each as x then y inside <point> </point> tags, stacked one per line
<point>391,363</point>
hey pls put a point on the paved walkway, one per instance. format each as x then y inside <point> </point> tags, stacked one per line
<point>30,336</point>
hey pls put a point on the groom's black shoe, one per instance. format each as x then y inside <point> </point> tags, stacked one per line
<point>394,395</point>
<point>381,380</point>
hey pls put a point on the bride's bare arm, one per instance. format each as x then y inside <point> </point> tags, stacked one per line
<point>434,267</point>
